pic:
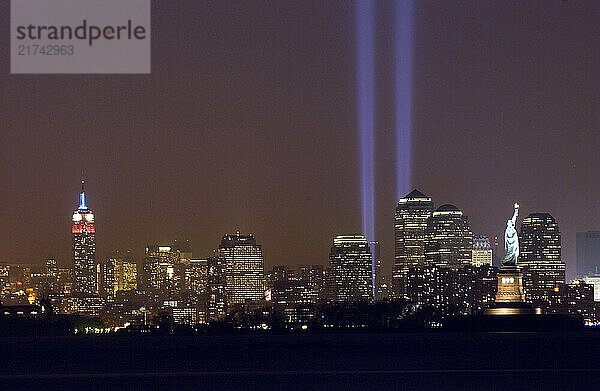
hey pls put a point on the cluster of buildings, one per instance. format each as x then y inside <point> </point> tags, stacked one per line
<point>439,262</point>
<point>439,265</point>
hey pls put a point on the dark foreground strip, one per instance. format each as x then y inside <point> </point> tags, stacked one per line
<point>288,373</point>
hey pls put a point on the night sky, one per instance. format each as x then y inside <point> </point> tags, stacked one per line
<point>248,122</point>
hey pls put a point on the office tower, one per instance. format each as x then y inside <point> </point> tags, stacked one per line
<point>293,298</point>
<point>278,273</point>
<point>463,290</point>
<point>84,248</point>
<point>315,275</point>
<point>539,239</point>
<point>594,280</point>
<point>51,268</point>
<point>576,297</point>
<point>244,269</point>
<point>350,263</point>
<point>4,280</point>
<point>376,269</point>
<point>196,275</point>
<point>448,238</point>
<point>105,272</point>
<point>540,257</point>
<point>119,274</point>
<point>412,213</point>
<point>50,277</point>
<point>160,264</point>
<point>482,251</point>
<point>183,249</point>
<point>588,253</point>
<point>216,288</point>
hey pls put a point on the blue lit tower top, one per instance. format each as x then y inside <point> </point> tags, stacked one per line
<point>82,205</point>
<point>83,217</point>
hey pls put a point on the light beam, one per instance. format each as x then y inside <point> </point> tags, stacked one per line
<point>404,14</point>
<point>365,75</point>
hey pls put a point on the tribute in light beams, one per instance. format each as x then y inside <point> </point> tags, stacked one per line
<point>365,75</point>
<point>404,57</point>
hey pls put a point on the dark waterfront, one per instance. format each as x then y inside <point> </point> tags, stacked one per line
<point>430,361</point>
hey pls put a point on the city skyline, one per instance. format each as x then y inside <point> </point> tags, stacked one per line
<point>256,131</point>
<point>388,265</point>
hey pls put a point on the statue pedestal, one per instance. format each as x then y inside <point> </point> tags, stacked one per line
<point>510,299</point>
<point>510,285</point>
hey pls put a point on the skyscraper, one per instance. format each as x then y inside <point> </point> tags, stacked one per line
<point>350,263</point>
<point>482,251</point>
<point>588,253</point>
<point>412,213</point>
<point>540,256</point>
<point>84,248</point>
<point>244,268</point>
<point>118,273</point>
<point>376,269</point>
<point>216,287</point>
<point>196,275</point>
<point>160,265</point>
<point>448,238</point>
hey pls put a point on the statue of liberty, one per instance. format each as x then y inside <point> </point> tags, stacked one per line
<point>511,241</point>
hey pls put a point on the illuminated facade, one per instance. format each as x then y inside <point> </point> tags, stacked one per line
<point>482,251</point>
<point>160,266</point>
<point>448,238</point>
<point>594,281</point>
<point>350,263</point>
<point>244,268</point>
<point>216,287</point>
<point>196,275</point>
<point>576,297</point>
<point>118,273</point>
<point>460,291</point>
<point>293,297</point>
<point>376,268</point>
<point>84,248</point>
<point>541,277</point>
<point>539,238</point>
<point>4,280</point>
<point>540,257</point>
<point>410,223</point>
<point>315,275</point>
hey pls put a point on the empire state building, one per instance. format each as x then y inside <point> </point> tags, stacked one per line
<point>84,248</point>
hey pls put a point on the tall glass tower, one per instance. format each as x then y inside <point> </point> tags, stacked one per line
<point>350,262</point>
<point>412,213</point>
<point>448,238</point>
<point>244,268</point>
<point>540,257</point>
<point>84,248</point>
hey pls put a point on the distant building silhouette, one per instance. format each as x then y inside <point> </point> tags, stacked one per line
<point>588,253</point>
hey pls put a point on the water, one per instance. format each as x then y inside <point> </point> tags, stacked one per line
<point>434,361</point>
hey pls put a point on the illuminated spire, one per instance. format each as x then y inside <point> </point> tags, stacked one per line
<point>82,204</point>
